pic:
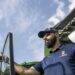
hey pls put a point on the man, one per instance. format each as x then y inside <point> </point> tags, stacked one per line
<point>61,60</point>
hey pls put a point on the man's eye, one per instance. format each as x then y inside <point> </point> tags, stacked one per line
<point>48,34</point>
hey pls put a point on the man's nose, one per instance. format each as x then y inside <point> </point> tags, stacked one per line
<point>45,37</point>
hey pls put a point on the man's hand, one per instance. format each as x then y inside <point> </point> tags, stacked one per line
<point>6,59</point>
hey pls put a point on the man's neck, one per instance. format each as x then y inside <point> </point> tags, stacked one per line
<point>57,44</point>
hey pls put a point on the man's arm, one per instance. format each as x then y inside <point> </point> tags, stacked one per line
<point>25,71</point>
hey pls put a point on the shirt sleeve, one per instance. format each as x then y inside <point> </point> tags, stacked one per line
<point>39,68</point>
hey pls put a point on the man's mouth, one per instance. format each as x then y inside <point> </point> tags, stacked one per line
<point>46,41</point>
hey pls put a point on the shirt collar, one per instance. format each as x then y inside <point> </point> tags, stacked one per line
<point>60,47</point>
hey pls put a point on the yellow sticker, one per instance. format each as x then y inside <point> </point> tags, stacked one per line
<point>63,53</point>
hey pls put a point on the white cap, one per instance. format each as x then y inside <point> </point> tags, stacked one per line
<point>72,37</point>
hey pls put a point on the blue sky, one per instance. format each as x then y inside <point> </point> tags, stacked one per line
<point>25,18</point>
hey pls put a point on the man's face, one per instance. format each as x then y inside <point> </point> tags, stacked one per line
<point>50,39</point>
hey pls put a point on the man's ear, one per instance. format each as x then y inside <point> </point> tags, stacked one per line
<point>57,33</point>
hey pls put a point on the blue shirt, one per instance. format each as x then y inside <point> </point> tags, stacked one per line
<point>60,62</point>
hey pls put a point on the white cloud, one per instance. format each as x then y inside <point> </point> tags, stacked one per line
<point>59,13</point>
<point>54,20</point>
<point>18,16</point>
<point>8,7</point>
<point>72,4</point>
<point>38,54</point>
<point>36,46</point>
<point>22,23</point>
<point>1,14</point>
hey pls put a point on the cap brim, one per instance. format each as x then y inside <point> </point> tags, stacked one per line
<point>42,33</point>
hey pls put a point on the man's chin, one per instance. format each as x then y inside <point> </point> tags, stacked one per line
<point>49,46</point>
